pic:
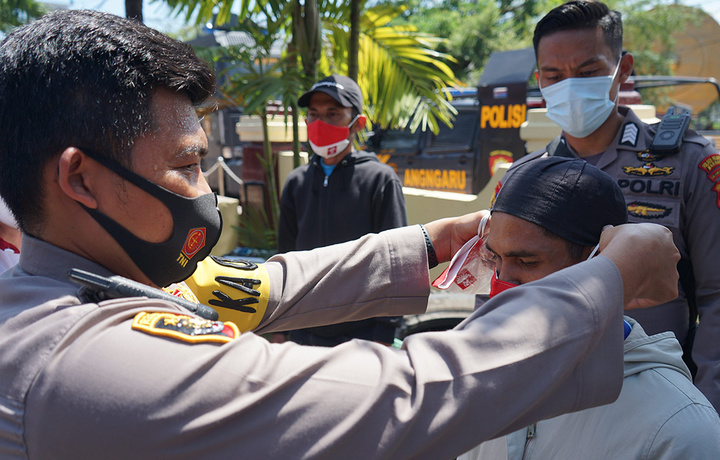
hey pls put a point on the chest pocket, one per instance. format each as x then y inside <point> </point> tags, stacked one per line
<point>653,193</point>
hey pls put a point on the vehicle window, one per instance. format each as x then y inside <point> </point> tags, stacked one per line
<point>398,140</point>
<point>458,138</point>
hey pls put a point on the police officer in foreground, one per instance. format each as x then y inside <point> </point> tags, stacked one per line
<point>101,167</point>
<point>581,66</point>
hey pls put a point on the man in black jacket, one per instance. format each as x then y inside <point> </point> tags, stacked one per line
<point>341,195</point>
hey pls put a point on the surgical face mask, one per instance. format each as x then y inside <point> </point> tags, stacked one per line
<point>197,224</point>
<point>329,140</point>
<point>6,216</point>
<point>580,105</point>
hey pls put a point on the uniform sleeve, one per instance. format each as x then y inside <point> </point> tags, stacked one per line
<point>287,222</point>
<point>110,391</point>
<point>389,209</point>
<point>329,284</point>
<point>702,233</point>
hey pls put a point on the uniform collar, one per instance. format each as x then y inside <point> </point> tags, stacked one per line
<point>44,259</point>
<point>632,136</point>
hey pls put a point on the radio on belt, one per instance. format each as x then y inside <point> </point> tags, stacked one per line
<point>669,135</point>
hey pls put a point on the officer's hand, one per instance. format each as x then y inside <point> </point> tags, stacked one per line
<point>448,235</point>
<point>647,259</point>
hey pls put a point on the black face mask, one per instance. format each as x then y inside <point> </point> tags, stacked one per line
<point>197,224</point>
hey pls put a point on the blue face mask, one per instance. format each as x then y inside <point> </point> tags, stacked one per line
<point>580,105</point>
<point>197,224</point>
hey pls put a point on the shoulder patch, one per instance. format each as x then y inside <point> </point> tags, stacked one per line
<point>630,134</point>
<point>185,328</point>
<point>711,165</point>
<point>716,189</point>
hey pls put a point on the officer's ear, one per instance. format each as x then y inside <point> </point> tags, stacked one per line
<point>75,172</point>
<point>627,61</point>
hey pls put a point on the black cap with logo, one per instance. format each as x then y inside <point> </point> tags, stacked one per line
<point>342,89</point>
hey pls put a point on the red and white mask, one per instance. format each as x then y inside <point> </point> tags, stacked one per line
<point>329,140</point>
<point>497,285</point>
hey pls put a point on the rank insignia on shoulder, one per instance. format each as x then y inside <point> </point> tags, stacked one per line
<point>711,166</point>
<point>185,328</point>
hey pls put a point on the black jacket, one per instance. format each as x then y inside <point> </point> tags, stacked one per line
<point>361,196</point>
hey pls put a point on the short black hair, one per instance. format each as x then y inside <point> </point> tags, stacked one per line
<point>83,79</point>
<point>582,14</point>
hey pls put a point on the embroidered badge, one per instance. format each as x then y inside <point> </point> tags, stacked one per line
<point>185,328</point>
<point>647,210</point>
<point>647,157</point>
<point>711,166</point>
<point>648,169</point>
<point>181,290</point>
<point>630,135</point>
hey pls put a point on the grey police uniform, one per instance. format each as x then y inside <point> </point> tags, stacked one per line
<point>681,192</point>
<point>136,378</point>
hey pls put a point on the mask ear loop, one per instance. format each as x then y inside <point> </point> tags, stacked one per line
<point>353,120</point>
<point>481,226</point>
<point>594,251</point>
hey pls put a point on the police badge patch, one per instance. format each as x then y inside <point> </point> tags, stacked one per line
<point>647,210</point>
<point>185,328</point>
<point>648,169</point>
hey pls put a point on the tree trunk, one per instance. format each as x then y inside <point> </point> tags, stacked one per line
<point>133,9</point>
<point>354,45</point>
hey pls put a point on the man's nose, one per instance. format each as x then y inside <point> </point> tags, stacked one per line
<point>506,274</point>
<point>202,185</point>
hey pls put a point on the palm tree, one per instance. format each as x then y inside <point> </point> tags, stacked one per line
<point>399,71</point>
<point>14,13</point>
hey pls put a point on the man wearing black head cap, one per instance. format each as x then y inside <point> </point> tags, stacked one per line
<point>341,195</point>
<point>548,215</point>
<point>581,66</point>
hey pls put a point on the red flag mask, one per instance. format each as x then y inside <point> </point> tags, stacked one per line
<point>329,140</point>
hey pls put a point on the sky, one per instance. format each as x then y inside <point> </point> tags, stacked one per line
<point>157,14</point>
